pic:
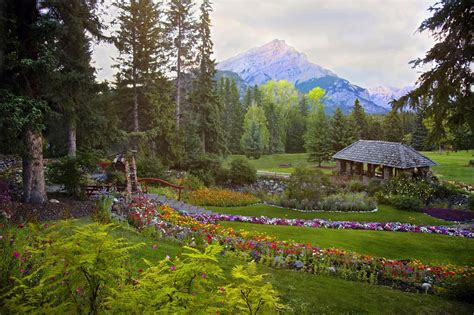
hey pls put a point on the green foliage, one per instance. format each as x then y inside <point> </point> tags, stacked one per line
<point>348,202</point>
<point>317,137</point>
<point>250,294</point>
<point>242,172</point>
<point>307,183</point>
<point>74,273</point>
<point>71,172</point>
<point>361,128</point>
<point>373,187</point>
<point>103,206</point>
<point>406,202</point>
<point>206,167</point>
<point>341,134</point>
<point>149,165</point>
<point>255,139</point>
<point>392,128</point>
<point>408,187</point>
<point>356,186</point>
<point>232,113</point>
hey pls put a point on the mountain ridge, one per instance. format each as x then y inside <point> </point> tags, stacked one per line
<point>277,60</point>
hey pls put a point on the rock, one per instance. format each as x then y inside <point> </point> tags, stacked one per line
<point>426,286</point>
<point>332,269</point>
<point>54,200</point>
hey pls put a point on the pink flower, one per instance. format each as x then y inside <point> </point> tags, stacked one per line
<point>221,289</point>
<point>172,268</point>
<point>46,225</point>
<point>16,254</point>
<point>203,275</point>
<point>78,290</point>
<point>22,270</point>
<point>154,246</point>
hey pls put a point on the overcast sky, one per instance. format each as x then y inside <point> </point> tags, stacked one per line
<point>368,42</point>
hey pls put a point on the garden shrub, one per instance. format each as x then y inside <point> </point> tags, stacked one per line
<point>373,187</point>
<point>405,186</point>
<point>74,274</point>
<point>242,172</point>
<point>471,202</point>
<point>149,165</point>
<point>356,186</point>
<point>102,212</point>
<point>220,197</point>
<point>382,198</point>
<point>406,202</point>
<point>307,183</point>
<point>190,182</point>
<point>71,172</point>
<point>206,167</point>
<point>348,202</point>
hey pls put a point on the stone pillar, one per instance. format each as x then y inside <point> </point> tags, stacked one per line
<point>359,168</point>
<point>370,170</point>
<point>387,172</point>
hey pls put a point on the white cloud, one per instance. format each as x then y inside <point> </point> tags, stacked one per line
<point>368,42</point>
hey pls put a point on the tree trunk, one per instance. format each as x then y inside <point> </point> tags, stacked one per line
<point>71,139</point>
<point>136,126</point>
<point>34,188</point>
<point>178,76</point>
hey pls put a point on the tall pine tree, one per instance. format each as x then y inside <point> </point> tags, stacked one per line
<point>341,134</point>
<point>181,27</point>
<point>255,138</point>
<point>360,121</point>
<point>392,127</point>
<point>316,138</point>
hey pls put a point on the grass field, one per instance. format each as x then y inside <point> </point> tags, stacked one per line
<point>305,293</point>
<point>384,214</point>
<point>453,166</point>
<point>394,245</point>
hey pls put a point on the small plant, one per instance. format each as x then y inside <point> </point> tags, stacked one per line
<point>307,183</point>
<point>242,172</point>
<point>348,202</point>
<point>406,203</point>
<point>356,186</point>
<point>103,206</point>
<point>71,172</point>
<point>250,294</point>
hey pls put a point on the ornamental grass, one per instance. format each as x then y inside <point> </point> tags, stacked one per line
<point>220,198</point>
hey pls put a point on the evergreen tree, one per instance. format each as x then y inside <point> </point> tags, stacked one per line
<point>181,27</point>
<point>254,141</point>
<point>248,100</point>
<point>206,105</point>
<point>22,78</point>
<point>448,82</point>
<point>139,42</point>
<point>375,131</point>
<point>316,138</point>
<point>341,135</point>
<point>72,85</point>
<point>420,133</point>
<point>360,121</point>
<point>392,127</point>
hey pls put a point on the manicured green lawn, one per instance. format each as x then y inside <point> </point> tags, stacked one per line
<point>384,214</point>
<point>272,163</point>
<point>305,293</point>
<point>429,248</point>
<point>453,166</point>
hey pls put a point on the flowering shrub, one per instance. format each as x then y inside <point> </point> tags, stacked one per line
<point>408,187</point>
<point>407,275</point>
<point>141,212</point>
<point>348,202</point>
<point>220,197</point>
<point>406,202</point>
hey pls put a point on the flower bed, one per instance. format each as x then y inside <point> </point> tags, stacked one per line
<point>406,275</point>
<point>450,214</point>
<point>220,198</point>
<point>320,223</point>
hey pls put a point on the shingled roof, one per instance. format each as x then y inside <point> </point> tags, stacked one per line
<point>391,154</point>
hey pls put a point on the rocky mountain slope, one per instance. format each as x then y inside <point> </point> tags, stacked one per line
<point>279,61</point>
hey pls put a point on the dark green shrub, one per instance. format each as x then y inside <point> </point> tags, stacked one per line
<point>149,165</point>
<point>356,186</point>
<point>71,172</point>
<point>471,202</point>
<point>206,167</point>
<point>406,203</point>
<point>382,198</point>
<point>242,172</point>
<point>462,290</point>
<point>373,187</point>
<point>307,183</point>
<point>116,177</point>
<point>103,207</point>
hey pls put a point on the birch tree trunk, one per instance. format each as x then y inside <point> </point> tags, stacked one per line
<point>34,187</point>
<point>71,139</point>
